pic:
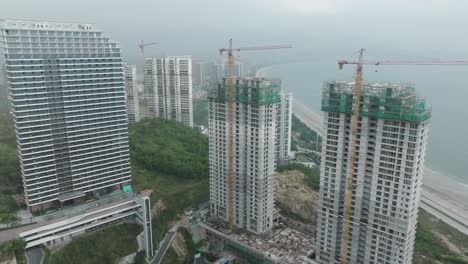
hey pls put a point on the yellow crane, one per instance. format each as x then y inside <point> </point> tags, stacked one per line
<point>349,199</point>
<point>230,54</point>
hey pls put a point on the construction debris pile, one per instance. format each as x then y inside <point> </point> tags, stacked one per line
<point>286,246</point>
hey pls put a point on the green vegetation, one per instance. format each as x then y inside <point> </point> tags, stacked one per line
<point>8,208</point>
<point>172,258</point>
<point>303,136</point>
<point>168,147</point>
<point>172,160</point>
<point>311,175</point>
<point>9,160</point>
<point>10,176</point>
<point>140,258</point>
<point>429,246</point>
<point>4,102</point>
<point>103,246</point>
<point>13,247</point>
<point>200,112</point>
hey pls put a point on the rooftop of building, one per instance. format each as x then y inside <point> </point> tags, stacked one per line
<point>171,57</point>
<point>381,100</point>
<point>45,25</point>
<point>249,90</point>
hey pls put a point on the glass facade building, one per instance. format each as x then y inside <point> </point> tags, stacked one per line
<point>67,89</point>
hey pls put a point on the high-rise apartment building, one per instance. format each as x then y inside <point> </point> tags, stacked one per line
<point>283,128</point>
<point>254,134</point>
<point>66,84</point>
<point>4,102</point>
<point>168,83</point>
<point>391,145</point>
<point>133,107</point>
<point>198,73</point>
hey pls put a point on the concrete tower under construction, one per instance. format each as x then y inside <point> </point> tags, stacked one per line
<point>387,177</point>
<point>254,135</point>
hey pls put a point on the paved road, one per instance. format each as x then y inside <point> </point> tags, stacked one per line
<point>440,211</point>
<point>34,255</point>
<point>308,150</point>
<point>164,246</point>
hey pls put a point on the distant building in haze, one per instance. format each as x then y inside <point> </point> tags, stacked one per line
<point>131,88</point>
<point>283,127</point>
<point>239,69</point>
<point>168,83</point>
<point>391,147</point>
<point>198,73</point>
<point>254,126</point>
<point>66,83</point>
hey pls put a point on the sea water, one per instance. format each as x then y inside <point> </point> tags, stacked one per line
<point>444,87</point>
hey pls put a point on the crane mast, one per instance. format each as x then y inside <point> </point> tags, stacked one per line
<point>230,53</point>
<point>352,158</point>
<point>350,187</point>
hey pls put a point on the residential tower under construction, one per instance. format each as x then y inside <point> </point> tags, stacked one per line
<point>254,135</point>
<point>392,134</point>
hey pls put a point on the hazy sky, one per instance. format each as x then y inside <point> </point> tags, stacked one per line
<point>316,28</point>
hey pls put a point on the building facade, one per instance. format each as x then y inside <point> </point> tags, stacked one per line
<point>391,146</point>
<point>168,83</point>
<point>66,84</point>
<point>131,89</point>
<point>198,73</point>
<point>283,128</point>
<point>239,69</point>
<point>254,138</point>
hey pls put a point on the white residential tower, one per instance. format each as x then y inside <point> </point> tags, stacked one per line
<point>133,107</point>
<point>283,128</point>
<point>66,84</point>
<point>168,84</point>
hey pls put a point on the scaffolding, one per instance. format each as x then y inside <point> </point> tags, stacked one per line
<point>389,101</point>
<point>254,91</point>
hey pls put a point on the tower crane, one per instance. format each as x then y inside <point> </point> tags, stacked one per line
<point>142,46</point>
<point>354,131</point>
<point>230,54</point>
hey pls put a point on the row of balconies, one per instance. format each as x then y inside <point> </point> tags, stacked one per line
<point>20,56</point>
<point>53,33</point>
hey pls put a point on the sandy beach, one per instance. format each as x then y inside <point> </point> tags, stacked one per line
<point>444,196</point>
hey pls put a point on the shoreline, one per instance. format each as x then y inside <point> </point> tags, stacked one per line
<point>446,194</point>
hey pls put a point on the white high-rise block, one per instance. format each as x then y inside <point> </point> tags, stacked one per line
<point>133,107</point>
<point>168,84</point>
<point>66,83</point>
<point>284,125</point>
<point>392,136</point>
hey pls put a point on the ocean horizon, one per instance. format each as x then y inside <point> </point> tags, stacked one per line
<point>442,86</point>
